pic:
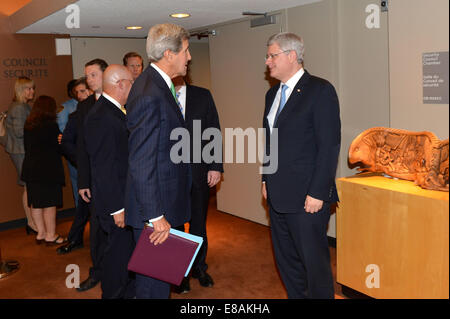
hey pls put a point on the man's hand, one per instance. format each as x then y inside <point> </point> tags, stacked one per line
<point>264,191</point>
<point>59,138</point>
<point>161,231</point>
<point>213,178</point>
<point>313,205</point>
<point>85,194</point>
<point>119,219</point>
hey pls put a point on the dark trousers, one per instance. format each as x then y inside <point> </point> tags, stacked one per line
<point>117,282</point>
<point>197,224</point>
<point>98,241</point>
<point>147,287</point>
<point>301,252</point>
<point>79,222</point>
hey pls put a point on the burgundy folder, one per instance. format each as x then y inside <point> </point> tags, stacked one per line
<point>167,261</point>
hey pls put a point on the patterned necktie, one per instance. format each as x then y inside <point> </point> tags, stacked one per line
<point>177,96</point>
<point>284,87</point>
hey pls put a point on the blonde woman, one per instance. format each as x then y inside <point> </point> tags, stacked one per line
<point>18,112</point>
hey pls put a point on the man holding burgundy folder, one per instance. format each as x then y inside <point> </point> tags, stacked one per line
<point>158,190</point>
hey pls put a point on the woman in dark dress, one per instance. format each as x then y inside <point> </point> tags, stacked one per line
<point>42,168</point>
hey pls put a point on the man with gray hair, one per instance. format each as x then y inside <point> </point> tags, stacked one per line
<point>305,111</point>
<point>158,190</point>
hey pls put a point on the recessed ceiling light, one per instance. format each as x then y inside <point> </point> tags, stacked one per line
<point>134,28</point>
<point>180,15</point>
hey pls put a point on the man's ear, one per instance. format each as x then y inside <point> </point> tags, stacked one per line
<point>168,54</point>
<point>292,56</point>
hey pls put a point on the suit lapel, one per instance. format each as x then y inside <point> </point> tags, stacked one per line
<point>158,80</point>
<point>187,109</point>
<point>295,99</point>
<point>114,110</point>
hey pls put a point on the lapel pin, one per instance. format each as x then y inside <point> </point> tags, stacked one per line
<point>298,90</point>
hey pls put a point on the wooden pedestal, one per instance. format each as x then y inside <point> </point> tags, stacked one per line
<point>398,227</point>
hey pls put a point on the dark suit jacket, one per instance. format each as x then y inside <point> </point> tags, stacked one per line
<point>83,168</point>
<point>42,162</point>
<point>106,144</point>
<point>155,184</point>
<point>309,135</point>
<point>200,106</point>
<point>69,139</point>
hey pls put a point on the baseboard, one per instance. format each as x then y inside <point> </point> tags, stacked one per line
<point>18,223</point>
<point>354,294</point>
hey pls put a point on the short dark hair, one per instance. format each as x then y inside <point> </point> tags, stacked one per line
<point>70,86</point>
<point>131,55</point>
<point>101,63</point>
<point>79,81</point>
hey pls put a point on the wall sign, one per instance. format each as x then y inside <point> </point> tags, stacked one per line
<point>32,67</point>
<point>435,78</point>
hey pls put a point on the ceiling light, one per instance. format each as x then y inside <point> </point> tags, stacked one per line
<point>133,28</point>
<point>180,15</point>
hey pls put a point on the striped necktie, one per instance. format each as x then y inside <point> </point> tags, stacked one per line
<point>177,96</point>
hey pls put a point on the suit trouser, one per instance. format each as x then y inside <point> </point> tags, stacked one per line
<point>116,280</point>
<point>98,241</point>
<point>301,252</point>
<point>147,287</point>
<point>73,179</point>
<point>197,224</point>
<point>79,222</point>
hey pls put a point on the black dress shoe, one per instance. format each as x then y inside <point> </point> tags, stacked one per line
<point>88,284</point>
<point>68,247</point>
<point>184,287</point>
<point>204,279</point>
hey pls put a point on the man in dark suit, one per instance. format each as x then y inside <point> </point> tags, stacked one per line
<point>158,189</point>
<point>106,143</point>
<point>73,146</point>
<point>304,110</point>
<point>198,108</point>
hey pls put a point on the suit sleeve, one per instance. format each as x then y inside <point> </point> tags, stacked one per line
<point>105,151</point>
<point>69,140</point>
<point>83,166</point>
<point>144,120</point>
<point>327,130</point>
<point>17,116</point>
<point>213,121</point>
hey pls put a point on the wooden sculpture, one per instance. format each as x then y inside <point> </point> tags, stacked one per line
<point>416,156</point>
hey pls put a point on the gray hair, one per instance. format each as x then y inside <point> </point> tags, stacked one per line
<point>289,41</point>
<point>162,37</point>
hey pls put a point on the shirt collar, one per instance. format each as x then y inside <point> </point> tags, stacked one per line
<point>163,74</point>
<point>292,82</point>
<point>112,100</point>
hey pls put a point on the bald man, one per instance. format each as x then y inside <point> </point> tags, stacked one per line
<point>107,148</point>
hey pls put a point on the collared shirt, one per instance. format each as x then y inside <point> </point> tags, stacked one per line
<point>97,96</point>
<point>181,93</point>
<point>291,83</point>
<point>113,101</point>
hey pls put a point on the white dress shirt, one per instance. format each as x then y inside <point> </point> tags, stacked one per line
<point>291,83</point>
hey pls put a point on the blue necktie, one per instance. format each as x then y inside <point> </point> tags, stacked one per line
<point>284,87</point>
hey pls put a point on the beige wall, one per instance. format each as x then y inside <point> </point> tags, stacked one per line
<point>111,50</point>
<point>239,85</point>
<point>416,27</point>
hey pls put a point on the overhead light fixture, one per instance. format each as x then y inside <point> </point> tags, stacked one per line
<point>180,15</point>
<point>133,28</point>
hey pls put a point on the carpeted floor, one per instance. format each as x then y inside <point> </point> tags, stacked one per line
<point>240,261</point>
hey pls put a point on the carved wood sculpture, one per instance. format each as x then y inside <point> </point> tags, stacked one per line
<point>416,156</point>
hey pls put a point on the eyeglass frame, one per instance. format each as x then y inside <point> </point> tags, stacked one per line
<point>271,56</point>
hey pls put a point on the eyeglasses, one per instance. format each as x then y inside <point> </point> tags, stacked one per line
<point>271,56</point>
